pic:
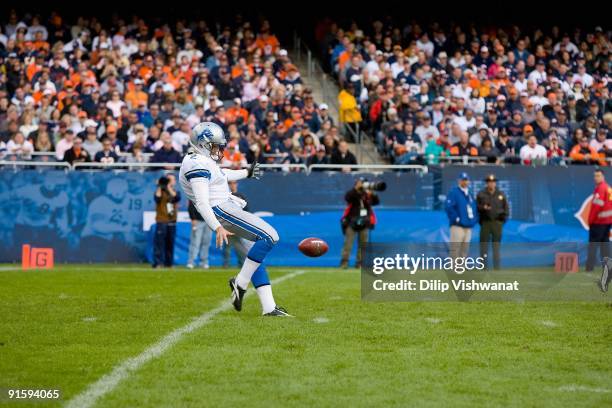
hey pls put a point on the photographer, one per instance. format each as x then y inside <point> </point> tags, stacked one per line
<point>359,217</point>
<point>166,206</point>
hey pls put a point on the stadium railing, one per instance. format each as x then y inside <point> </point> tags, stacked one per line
<point>120,165</point>
<point>19,163</point>
<point>365,167</point>
<point>146,166</point>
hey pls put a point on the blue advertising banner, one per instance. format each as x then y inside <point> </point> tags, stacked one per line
<point>97,216</point>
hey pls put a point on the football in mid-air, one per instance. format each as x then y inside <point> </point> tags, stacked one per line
<point>313,247</point>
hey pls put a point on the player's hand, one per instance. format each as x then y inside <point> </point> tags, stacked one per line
<point>254,171</point>
<point>222,236</point>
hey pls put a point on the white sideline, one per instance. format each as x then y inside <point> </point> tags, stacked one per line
<point>108,382</point>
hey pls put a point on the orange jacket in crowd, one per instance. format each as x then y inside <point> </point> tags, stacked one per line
<point>470,150</point>
<point>271,40</point>
<point>235,112</point>
<point>134,98</point>
<point>579,154</point>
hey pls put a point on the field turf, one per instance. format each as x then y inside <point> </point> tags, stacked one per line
<point>72,326</point>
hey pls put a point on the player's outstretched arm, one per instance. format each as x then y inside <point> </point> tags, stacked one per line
<point>253,171</point>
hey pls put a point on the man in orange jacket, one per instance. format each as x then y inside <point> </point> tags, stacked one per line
<point>600,219</point>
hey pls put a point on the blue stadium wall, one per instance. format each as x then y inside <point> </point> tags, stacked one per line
<point>97,216</point>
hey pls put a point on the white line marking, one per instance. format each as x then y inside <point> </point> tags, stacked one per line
<point>433,320</point>
<point>574,388</point>
<point>109,382</point>
<point>320,320</point>
<point>548,323</point>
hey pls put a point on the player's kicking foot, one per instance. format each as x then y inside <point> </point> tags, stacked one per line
<point>237,294</point>
<point>604,280</point>
<point>278,311</point>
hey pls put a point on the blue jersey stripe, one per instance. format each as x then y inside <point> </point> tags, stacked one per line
<point>197,173</point>
<point>262,233</point>
<point>243,224</point>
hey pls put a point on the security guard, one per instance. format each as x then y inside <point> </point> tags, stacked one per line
<point>493,211</point>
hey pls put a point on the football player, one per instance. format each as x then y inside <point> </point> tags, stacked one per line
<point>205,184</point>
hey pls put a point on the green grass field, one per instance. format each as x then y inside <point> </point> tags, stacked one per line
<point>70,327</point>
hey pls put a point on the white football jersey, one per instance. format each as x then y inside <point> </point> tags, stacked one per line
<point>196,165</point>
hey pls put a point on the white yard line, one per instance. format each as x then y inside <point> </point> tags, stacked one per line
<point>10,268</point>
<point>577,388</point>
<point>109,382</point>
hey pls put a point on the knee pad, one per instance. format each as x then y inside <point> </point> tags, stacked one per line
<point>259,250</point>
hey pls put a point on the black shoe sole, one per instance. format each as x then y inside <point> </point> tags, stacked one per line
<point>237,302</point>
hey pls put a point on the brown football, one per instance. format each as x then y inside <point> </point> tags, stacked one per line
<point>313,247</point>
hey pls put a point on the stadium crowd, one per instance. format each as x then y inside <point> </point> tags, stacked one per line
<point>476,93</point>
<point>86,91</point>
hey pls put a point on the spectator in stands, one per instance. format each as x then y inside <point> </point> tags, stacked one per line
<point>295,157</point>
<point>166,154</point>
<point>232,158</point>
<point>107,154</point>
<point>91,144</point>
<point>349,110</point>
<point>324,116</point>
<point>555,153</point>
<point>464,147</point>
<point>532,152</point>
<point>602,144</point>
<point>111,135</point>
<point>504,144</point>
<point>137,156</point>
<point>136,96</point>
<point>19,147</point>
<point>320,157</point>
<point>77,154</point>
<point>43,142</point>
<point>115,104</point>
<point>309,146</point>
<point>64,144</point>
<point>488,151</point>
<point>583,153</point>
<point>434,151</point>
<point>426,128</point>
<point>343,156</point>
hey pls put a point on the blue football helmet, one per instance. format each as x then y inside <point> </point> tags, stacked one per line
<point>207,138</point>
